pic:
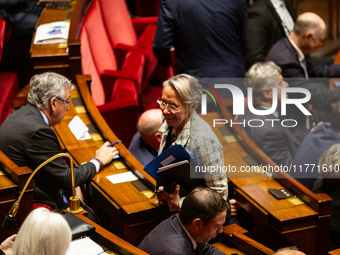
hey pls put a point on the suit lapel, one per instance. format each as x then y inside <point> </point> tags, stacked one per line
<point>291,10</point>
<point>274,13</point>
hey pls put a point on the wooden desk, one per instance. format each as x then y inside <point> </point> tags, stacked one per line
<point>112,242</point>
<point>12,180</point>
<point>236,241</point>
<point>280,220</point>
<point>124,202</point>
<point>60,58</point>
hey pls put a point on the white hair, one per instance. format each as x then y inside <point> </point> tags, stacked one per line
<point>43,233</point>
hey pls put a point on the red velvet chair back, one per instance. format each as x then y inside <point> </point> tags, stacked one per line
<point>89,67</point>
<point>117,22</point>
<point>97,53</point>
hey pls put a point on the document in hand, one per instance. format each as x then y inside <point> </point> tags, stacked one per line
<point>175,166</point>
<point>182,173</point>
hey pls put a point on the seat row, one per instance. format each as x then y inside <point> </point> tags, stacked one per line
<point>117,52</point>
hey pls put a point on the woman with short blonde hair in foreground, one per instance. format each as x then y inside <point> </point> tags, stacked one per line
<point>43,233</point>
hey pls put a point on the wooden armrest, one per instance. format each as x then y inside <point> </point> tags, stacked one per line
<point>20,98</point>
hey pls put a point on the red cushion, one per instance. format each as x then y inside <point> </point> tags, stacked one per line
<point>8,89</point>
<point>99,43</point>
<point>121,113</point>
<point>118,22</point>
<point>134,65</point>
<point>123,90</point>
<point>89,67</point>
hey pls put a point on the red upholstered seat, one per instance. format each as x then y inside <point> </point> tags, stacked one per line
<point>8,81</point>
<point>115,80</point>
<point>98,46</point>
<point>8,89</point>
<point>126,34</point>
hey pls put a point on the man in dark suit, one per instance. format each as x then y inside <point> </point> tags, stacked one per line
<point>292,53</point>
<point>145,143</point>
<point>28,140</point>
<point>200,219</point>
<point>277,141</point>
<point>207,36</point>
<point>266,25</point>
<point>313,146</point>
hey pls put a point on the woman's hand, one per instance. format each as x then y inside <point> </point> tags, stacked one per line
<point>173,199</point>
<point>6,245</point>
<point>234,207</point>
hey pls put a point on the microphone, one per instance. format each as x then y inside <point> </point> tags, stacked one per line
<point>74,200</point>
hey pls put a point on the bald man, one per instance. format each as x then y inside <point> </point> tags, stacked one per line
<point>292,53</point>
<point>145,143</point>
<point>289,251</point>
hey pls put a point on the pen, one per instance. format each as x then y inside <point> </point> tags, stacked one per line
<point>112,144</point>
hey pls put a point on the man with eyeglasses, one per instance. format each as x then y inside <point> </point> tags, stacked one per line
<point>28,140</point>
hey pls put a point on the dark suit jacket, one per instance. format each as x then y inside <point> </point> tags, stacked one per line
<point>309,152</point>
<point>170,238</point>
<point>264,30</point>
<point>278,142</point>
<point>28,141</point>
<point>207,36</point>
<point>142,151</point>
<point>284,55</point>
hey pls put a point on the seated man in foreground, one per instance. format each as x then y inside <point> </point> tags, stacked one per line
<point>28,139</point>
<point>200,219</point>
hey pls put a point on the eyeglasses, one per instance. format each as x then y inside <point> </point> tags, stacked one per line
<point>171,107</point>
<point>66,101</point>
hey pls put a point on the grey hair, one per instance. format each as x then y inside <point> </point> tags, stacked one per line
<point>259,78</point>
<point>329,162</point>
<point>43,232</point>
<point>45,86</point>
<point>307,23</point>
<point>186,86</point>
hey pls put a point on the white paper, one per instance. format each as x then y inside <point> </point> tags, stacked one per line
<point>84,246</point>
<point>168,160</point>
<point>122,177</point>
<point>55,32</point>
<point>79,129</point>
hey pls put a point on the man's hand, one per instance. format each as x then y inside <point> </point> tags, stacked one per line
<point>6,245</point>
<point>105,154</point>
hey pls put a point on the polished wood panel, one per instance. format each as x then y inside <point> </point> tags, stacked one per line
<point>283,221</point>
<point>12,180</point>
<point>122,201</point>
<point>235,241</point>
<point>61,58</point>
